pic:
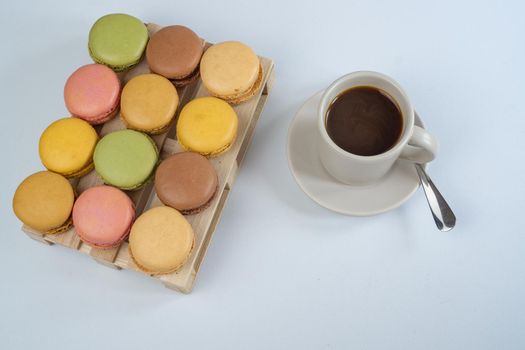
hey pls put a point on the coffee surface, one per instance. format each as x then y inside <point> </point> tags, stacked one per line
<point>364,120</point>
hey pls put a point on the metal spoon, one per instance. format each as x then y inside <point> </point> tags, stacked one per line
<point>443,215</point>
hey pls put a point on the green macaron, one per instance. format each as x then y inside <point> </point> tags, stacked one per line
<point>126,159</point>
<point>118,41</point>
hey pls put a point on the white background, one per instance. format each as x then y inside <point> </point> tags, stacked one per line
<point>282,272</point>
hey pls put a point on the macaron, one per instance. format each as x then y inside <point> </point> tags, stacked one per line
<point>148,103</point>
<point>102,216</point>
<point>117,41</point>
<point>125,159</point>
<point>161,241</point>
<point>43,201</point>
<point>231,71</point>
<point>207,125</point>
<point>66,147</point>
<point>186,181</point>
<point>92,93</point>
<point>175,52</point>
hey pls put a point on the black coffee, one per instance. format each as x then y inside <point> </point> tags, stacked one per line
<point>364,120</point>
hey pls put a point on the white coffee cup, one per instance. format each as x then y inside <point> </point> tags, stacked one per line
<point>415,144</point>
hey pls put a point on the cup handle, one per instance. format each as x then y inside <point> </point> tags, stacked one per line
<point>421,148</point>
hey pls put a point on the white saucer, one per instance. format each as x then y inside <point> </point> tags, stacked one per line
<point>303,159</point>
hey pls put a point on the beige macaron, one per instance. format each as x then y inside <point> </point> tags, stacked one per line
<point>231,71</point>
<point>161,240</point>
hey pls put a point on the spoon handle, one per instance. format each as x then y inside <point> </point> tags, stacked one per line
<point>443,215</point>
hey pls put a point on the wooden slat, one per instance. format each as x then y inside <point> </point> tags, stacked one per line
<point>226,165</point>
<point>37,236</point>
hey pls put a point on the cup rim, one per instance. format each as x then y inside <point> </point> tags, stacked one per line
<point>324,102</point>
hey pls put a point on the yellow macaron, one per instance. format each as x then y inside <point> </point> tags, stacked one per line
<point>148,103</point>
<point>207,125</point>
<point>231,71</point>
<point>161,240</point>
<point>66,147</point>
<point>44,201</point>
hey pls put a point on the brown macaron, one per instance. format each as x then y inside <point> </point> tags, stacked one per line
<point>186,181</point>
<point>175,53</point>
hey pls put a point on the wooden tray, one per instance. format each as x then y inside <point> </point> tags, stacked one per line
<point>204,223</point>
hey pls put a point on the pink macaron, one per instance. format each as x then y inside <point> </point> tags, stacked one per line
<point>102,216</point>
<point>92,93</point>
